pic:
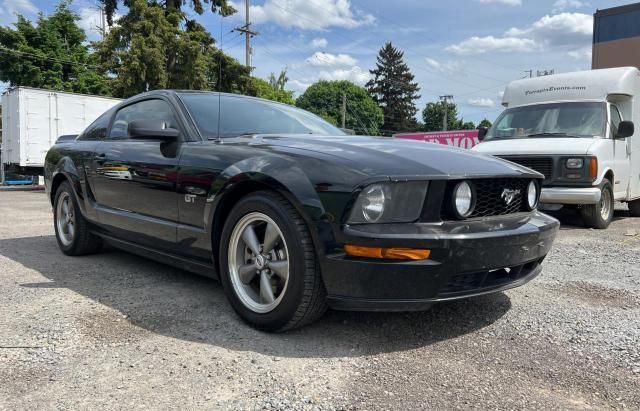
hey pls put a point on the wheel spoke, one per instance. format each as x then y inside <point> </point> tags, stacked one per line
<point>266,293</point>
<point>281,268</point>
<point>71,229</point>
<point>271,238</point>
<point>247,272</point>
<point>251,240</point>
<point>65,207</point>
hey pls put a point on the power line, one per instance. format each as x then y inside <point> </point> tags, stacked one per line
<point>57,60</point>
<point>248,33</point>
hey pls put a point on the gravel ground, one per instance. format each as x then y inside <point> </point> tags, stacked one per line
<point>117,331</point>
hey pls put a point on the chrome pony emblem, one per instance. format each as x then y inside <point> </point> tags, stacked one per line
<point>508,195</point>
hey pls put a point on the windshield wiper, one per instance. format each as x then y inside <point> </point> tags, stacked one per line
<point>552,135</point>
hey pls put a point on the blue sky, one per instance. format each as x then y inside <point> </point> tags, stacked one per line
<point>467,48</point>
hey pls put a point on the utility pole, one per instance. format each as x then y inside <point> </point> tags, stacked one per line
<point>530,73</point>
<point>344,110</point>
<point>445,105</point>
<point>248,33</point>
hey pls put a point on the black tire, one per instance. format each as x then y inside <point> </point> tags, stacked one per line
<point>634,208</point>
<point>304,298</point>
<point>82,241</point>
<point>592,213</point>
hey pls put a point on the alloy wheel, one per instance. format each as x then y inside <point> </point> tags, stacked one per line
<point>65,219</point>
<point>258,262</point>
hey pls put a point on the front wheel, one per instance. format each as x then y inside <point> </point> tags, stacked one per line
<point>269,268</point>
<point>599,215</point>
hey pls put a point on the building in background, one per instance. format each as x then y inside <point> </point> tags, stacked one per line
<point>616,37</point>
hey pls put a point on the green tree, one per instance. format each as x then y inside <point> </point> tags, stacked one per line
<point>265,89</point>
<point>465,125</point>
<point>324,98</point>
<point>433,114</point>
<point>151,47</point>
<point>216,6</point>
<point>484,123</point>
<point>393,89</point>
<point>278,83</point>
<point>51,54</point>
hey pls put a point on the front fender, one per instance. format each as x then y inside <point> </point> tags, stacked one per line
<point>287,178</point>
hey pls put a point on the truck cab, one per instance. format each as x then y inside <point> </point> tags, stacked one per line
<point>578,130</point>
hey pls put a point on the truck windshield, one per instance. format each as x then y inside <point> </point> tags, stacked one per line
<point>572,119</point>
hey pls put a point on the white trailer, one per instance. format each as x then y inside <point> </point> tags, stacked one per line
<point>32,120</point>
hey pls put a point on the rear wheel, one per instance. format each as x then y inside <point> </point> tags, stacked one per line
<point>72,230</point>
<point>634,208</point>
<point>268,264</point>
<point>599,215</point>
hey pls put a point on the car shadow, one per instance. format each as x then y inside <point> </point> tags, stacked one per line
<point>171,302</point>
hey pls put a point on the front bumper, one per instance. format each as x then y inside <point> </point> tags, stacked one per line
<point>569,195</point>
<point>468,258</point>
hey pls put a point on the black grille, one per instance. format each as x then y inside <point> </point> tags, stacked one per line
<point>496,196</point>
<point>465,283</point>
<point>492,196</point>
<point>543,165</point>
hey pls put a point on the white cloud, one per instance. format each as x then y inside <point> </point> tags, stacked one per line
<point>319,43</point>
<point>562,5</point>
<point>580,54</point>
<point>505,2</point>
<point>308,14</point>
<point>481,102</point>
<point>321,59</point>
<point>445,67</point>
<point>569,30</point>
<point>298,86</point>
<point>354,74</point>
<point>9,9</point>
<point>558,29</point>
<point>491,44</point>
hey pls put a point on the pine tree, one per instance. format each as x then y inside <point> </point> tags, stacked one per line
<point>393,89</point>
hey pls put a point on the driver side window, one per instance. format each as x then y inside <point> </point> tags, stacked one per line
<point>143,110</point>
<point>614,119</point>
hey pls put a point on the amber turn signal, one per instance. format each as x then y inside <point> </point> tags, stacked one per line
<point>593,168</point>
<point>388,253</point>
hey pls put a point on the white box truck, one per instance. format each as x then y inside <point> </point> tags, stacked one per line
<point>33,119</point>
<point>578,130</point>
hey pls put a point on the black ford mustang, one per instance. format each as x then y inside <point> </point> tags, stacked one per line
<point>291,214</point>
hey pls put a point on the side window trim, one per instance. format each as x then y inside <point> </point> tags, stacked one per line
<point>137,101</point>
<point>612,129</point>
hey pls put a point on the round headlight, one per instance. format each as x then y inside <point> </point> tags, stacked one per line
<point>373,203</point>
<point>463,201</point>
<point>532,195</point>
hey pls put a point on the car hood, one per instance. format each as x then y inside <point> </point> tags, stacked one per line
<point>396,157</point>
<point>555,145</point>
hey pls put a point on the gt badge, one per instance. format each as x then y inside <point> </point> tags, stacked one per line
<point>189,198</point>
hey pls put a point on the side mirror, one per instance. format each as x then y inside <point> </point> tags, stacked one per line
<point>482,133</point>
<point>152,129</point>
<point>625,129</point>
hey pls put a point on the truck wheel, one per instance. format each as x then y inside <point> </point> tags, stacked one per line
<point>600,215</point>
<point>268,264</point>
<point>72,230</point>
<point>634,208</point>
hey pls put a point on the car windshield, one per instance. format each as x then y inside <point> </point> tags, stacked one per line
<point>573,119</point>
<point>243,116</point>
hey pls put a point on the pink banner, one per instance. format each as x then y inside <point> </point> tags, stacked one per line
<point>461,138</point>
